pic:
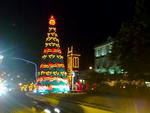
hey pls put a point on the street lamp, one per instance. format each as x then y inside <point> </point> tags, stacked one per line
<point>35,65</point>
<point>1,58</point>
<point>73,75</point>
<point>90,67</point>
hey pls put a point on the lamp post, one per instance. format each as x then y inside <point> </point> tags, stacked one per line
<point>73,75</point>
<point>35,65</point>
<point>1,59</point>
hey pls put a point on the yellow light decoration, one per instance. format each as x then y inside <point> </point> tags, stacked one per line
<point>53,34</point>
<point>30,87</point>
<point>52,50</point>
<point>52,28</point>
<point>44,56</point>
<point>52,21</point>
<point>52,65</point>
<point>50,78</point>
<point>52,56</point>
<point>46,44</point>
<point>24,87</point>
<point>51,44</point>
<point>42,72</point>
<point>49,73</point>
<point>52,38</point>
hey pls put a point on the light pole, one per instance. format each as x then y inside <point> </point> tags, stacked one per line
<point>1,59</point>
<point>73,75</point>
<point>35,65</point>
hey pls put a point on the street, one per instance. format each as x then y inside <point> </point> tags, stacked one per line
<point>70,107</point>
<point>20,103</point>
<point>15,103</point>
<point>72,103</point>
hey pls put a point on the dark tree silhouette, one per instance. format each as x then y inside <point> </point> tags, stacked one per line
<point>132,44</point>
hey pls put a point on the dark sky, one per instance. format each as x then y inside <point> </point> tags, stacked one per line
<point>24,24</point>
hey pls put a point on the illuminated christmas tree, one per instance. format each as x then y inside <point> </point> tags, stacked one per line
<point>52,77</point>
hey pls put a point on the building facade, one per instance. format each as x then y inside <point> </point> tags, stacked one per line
<point>103,61</point>
<point>73,64</point>
<point>72,60</point>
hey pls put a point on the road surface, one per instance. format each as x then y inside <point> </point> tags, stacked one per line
<point>19,103</point>
<point>70,107</point>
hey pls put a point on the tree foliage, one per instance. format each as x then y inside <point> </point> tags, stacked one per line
<point>131,47</point>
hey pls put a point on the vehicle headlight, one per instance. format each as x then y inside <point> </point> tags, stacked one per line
<point>3,89</point>
<point>47,111</point>
<point>57,110</point>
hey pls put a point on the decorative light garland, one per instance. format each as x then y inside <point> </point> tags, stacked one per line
<point>54,73</point>
<point>52,76</point>
<point>52,65</point>
<point>52,28</point>
<point>51,44</point>
<point>52,56</point>
<point>52,34</point>
<point>52,50</point>
<point>52,38</point>
<point>51,79</point>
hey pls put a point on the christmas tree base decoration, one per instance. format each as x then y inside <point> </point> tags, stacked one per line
<point>52,76</point>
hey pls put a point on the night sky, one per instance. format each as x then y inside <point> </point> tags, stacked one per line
<point>24,24</point>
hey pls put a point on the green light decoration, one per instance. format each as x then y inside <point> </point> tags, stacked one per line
<point>52,65</point>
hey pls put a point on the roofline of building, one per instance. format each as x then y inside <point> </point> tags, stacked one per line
<point>102,44</point>
<point>109,40</point>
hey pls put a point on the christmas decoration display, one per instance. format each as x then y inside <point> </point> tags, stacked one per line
<point>52,77</point>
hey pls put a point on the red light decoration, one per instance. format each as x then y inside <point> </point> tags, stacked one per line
<point>53,50</point>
